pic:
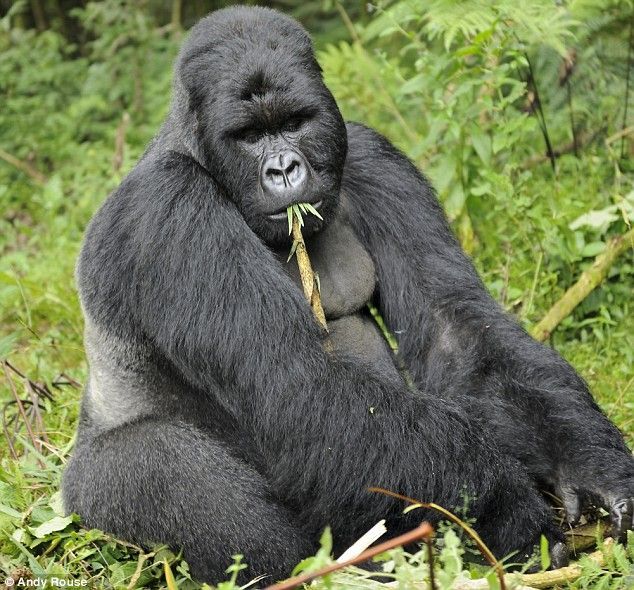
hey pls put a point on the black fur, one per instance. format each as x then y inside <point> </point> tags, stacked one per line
<point>215,418</point>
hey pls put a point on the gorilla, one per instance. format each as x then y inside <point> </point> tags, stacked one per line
<point>219,417</point>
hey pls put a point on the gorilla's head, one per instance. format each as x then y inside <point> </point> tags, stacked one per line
<point>262,121</point>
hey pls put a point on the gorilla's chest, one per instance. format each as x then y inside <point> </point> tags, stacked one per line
<point>345,269</point>
<point>347,280</point>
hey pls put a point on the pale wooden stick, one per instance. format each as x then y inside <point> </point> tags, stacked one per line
<point>361,544</point>
<point>309,283</point>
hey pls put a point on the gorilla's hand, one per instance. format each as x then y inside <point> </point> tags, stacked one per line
<point>606,480</point>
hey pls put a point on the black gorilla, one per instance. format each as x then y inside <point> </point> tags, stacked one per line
<point>216,419</point>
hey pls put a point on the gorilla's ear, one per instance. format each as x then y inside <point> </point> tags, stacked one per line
<point>190,73</point>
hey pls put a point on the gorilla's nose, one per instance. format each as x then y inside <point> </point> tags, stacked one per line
<point>284,176</point>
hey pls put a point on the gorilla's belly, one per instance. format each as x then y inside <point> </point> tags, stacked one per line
<point>347,280</point>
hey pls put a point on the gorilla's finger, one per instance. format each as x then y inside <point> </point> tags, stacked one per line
<point>572,505</point>
<point>559,555</point>
<point>622,516</point>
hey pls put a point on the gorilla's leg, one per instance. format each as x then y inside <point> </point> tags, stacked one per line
<point>171,483</point>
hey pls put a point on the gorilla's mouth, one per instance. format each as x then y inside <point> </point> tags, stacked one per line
<point>281,215</point>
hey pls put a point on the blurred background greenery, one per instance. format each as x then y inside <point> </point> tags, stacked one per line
<point>518,112</point>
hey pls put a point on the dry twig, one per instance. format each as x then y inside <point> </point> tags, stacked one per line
<point>23,166</point>
<point>26,420</point>
<point>484,550</point>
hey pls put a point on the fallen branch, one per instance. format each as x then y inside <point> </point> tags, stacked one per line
<point>588,281</point>
<point>424,531</point>
<point>23,166</point>
<point>143,557</point>
<point>28,412</point>
<point>563,575</point>
<point>620,134</point>
<point>585,536</point>
<point>539,581</point>
<point>40,388</point>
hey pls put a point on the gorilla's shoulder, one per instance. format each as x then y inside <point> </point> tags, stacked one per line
<point>361,134</point>
<point>162,185</point>
<point>367,149</point>
<point>159,174</point>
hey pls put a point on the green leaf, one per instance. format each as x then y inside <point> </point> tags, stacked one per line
<point>293,249</point>
<point>313,211</point>
<point>10,512</point>
<point>598,220</point>
<point>298,213</point>
<point>481,189</point>
<point>592,249</point>
<point>58,523</point>
<point>455,201</point>
<point>169,576</point>
<point>451,559</point>
<point>56,503</point>
<point>7,343</point>
<point>289,215</point>
<point>544,552</point>
<point>482,146</point>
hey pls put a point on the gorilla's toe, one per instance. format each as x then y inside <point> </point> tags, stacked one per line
<point>559,555</point>
<point>622,516</point>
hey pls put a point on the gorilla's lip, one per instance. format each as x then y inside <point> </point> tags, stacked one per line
<point>282,215</point>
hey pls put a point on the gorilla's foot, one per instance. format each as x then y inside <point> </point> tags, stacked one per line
<point>622,516</point>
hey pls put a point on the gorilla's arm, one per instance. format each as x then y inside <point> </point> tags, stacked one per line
<point>454,338</point>
<point>214,302</point>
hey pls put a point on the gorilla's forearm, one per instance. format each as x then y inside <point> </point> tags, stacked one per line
<point>455,339</point>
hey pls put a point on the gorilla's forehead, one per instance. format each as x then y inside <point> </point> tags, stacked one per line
<point>242,53</point>
<point>233,35</point>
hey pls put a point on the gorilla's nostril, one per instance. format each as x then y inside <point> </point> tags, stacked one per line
<point>293,166</point>
<point>276,177</point>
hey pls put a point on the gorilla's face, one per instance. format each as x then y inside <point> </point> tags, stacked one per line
<point>268,129</point>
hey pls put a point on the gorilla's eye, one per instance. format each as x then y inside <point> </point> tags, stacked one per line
<point>293,124</point>
<point>248,135</point>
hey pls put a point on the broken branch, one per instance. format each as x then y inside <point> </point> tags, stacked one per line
<point>563,575</point>
<point>588,281</point>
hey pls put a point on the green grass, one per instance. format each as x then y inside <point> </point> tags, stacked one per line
<point>61,112</point>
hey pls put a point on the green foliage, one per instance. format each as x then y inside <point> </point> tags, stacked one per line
<point>469,90</point>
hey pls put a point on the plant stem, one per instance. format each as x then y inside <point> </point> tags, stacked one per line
<point>309,283</point>
<point>627,83</point>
